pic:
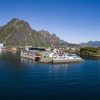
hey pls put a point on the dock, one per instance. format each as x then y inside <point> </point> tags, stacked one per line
<point>30,55</point>
<point>36,57</point>
<point>46,60</point>
<point>27,56</point>
<point>68,61</point>
<point>56,61</point>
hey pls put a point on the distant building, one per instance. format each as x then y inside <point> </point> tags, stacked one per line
<point>67,48</point>
<point>73,49</point>
<point>57,51</point>
<point>1,46</point>
<point>27,47</point>
<point>48,49</point>
<point>13,49</point>
<point>35,48</point>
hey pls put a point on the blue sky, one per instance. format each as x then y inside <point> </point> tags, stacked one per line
<point>72,20</point>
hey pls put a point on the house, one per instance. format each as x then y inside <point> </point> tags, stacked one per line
<point>48,54</point>
<point>4,49</point>
<point>67,48</point>
<point>73,48</point>
<point>57,51</point>
<point>13,49</point>
<point>48,49</point>
<point>35,49</point>
<point>1,46</point>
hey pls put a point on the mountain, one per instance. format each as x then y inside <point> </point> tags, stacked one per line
<point>0,27</point>
<point>19,33</point>
<point>46,37</point>
<point>63,41</point>
<point>92,43</point>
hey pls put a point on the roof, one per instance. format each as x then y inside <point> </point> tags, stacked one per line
<point>1,43</point>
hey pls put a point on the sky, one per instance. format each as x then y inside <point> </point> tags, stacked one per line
<point>74,21</point>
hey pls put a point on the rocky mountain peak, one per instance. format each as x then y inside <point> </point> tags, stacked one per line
<point>19,32</point>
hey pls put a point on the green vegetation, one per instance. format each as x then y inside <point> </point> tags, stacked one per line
<point>90,51</point>
<point>70,51</point>
<point>7,30</point>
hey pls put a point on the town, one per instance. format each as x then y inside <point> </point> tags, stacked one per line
<point>46,55</point>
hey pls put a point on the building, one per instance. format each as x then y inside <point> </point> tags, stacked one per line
<point>1,46</point>
<point>57,51</point>
<point>73,49</point>
<point>13,49</point>
<point>27,47</point>
<point>35,49</point>
<point>48,49</point>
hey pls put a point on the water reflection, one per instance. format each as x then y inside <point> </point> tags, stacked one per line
<point>13,53</point>
<point>4,52</point>
<point>60,66</point>
<point>27,61</point>
<point>55,66</point>
<point>0,52</point>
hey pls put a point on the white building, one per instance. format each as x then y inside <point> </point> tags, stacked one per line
<point>48,49</point>
<point>1,46</point>
<point>27,47</point>
<point>73,49</point>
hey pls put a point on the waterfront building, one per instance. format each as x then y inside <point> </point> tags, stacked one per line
<point>1,46</point>
<point>35,49</point>
<point>48,49</point>
<point>13,49</point>
<point>27,47</point>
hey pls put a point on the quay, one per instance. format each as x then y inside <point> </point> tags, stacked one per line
<point>67,61</point>
<point>46,60</point>
<point>30,55</point>
<point>48,57</point>
<point>56,61</point>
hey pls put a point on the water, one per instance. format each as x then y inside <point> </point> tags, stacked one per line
<point>22,79</point>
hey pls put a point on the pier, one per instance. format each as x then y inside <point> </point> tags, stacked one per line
<point>46,60</point>
<point>68,61</point>
<point>55,59</point>
<point>30,55</point>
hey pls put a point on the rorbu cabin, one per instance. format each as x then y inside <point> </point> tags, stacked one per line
<point>13,49</point>
<point>1,46</point>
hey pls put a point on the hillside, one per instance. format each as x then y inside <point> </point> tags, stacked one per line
<point>19,33</point>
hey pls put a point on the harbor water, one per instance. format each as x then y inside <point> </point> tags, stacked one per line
<point>24,79</point>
